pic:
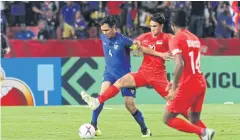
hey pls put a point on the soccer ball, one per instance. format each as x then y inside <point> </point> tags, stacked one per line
<point>86,131</point>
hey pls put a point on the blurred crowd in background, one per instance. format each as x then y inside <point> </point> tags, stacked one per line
<point>79,20</point>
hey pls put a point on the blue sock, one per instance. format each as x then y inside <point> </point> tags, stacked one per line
<point>96,113</point>
<point>140,119</point>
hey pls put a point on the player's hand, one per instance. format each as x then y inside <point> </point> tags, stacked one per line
<point>137,42</point>
<point>171,94</point>
<point>167,56</point>
<point>169,86</point>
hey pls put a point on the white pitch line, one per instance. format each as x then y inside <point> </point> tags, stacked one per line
<point>85,106</point>
<point>107,108</point>
<point>228,103</point>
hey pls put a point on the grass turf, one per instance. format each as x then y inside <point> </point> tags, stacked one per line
<point>62,123</point>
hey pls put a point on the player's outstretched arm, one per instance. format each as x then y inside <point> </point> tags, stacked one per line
<point>137,45</point>
<point>166,56</point>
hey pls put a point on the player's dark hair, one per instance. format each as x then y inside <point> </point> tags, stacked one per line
<point>110,20</point>
<point>180,18</point>
<point>159,17</point>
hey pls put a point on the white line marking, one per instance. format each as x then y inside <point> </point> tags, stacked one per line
<point>85,106</point>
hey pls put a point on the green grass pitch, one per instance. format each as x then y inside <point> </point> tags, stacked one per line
<point>62,123</point>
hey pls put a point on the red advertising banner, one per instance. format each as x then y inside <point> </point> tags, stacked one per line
<point>93,48</point>
<point>220,47</point>
<point>56,48</point>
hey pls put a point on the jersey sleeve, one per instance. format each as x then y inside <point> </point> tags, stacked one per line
<point>174,45</point>
<point>127,41</point>
<point>141,38</point>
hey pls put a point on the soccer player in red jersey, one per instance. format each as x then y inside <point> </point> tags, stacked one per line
<point>154,45</point>
<point>152,71</point>
<point>187,91</point>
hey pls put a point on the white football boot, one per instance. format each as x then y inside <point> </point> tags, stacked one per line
<point>209,133</point>
<point>92,102</point>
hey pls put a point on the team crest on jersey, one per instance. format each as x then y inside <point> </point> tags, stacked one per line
<point>159,42</point>
<point>115,46</point>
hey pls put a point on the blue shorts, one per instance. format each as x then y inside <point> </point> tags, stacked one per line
<point>113,78</point>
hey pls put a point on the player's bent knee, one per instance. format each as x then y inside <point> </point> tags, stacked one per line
<point>168,116</point>
<point>194,117</point>
<point>165,120</point>
<point>194,120</point>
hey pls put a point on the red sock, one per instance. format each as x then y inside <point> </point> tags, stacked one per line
<point>108,93</point>
<point>200,124</point>
<point>184,126</point>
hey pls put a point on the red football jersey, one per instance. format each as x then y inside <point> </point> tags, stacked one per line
<point>160,44</point>
<point>189,45</point>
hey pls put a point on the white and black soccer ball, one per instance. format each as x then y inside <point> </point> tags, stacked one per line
<point>86,131</point>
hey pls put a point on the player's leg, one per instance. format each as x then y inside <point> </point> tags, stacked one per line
<point>107,81</point>
<point>160,87</point>
<point>160,83</point>
<point>170,119</point>
<point>129,95</point>
<point>194,118</point>
<point>130,80</point>
<point>196,108</point>
<point>195,111</point>
<point>180,104</point>
<point>185,114</point>
<point>96,113</point>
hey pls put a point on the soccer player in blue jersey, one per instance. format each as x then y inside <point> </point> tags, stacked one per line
<point>116,49</point>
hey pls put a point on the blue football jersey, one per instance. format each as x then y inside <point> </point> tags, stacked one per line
<point>117,54</point>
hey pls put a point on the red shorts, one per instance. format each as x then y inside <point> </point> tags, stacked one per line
<point>190,95</point>
<point>158,81</point>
